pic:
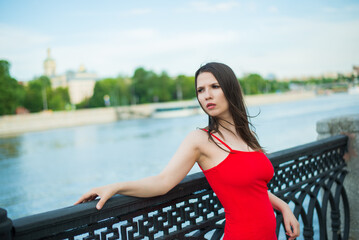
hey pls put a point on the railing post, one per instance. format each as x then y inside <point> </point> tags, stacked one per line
<point>348,125</point>
<point>5,226</point>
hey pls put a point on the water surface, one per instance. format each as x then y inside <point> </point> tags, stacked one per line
<point>42,171</point>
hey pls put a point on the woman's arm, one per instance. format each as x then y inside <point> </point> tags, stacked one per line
<point>290,222</point>
<point>180,164</point>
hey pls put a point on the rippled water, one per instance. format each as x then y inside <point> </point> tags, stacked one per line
<point>47,170</point>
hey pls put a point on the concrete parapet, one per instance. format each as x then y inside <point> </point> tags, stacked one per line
<point>17,124</point>
<point>270,98</point>
<point>348,125</point>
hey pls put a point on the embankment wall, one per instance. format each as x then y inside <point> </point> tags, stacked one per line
<point>17,124</point>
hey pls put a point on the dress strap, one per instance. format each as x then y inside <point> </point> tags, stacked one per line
<point>219,140</point>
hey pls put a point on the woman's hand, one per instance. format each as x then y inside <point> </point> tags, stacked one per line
<point>291,224</point>
<point>104,192</point>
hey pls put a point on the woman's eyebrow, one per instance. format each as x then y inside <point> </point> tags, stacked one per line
<point>208,84</point>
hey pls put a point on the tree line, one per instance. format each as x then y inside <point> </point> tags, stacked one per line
<point>144,86</point>
<point>36,96</point>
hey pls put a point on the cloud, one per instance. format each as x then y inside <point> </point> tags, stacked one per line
<point>23,49</point>
<point>138,12</point>
<point>285,46</point>
<point>122,51</point>
<point>342,9</point>
<point>300,47</point>
<point>330,10</point>
<point>139,33</point>
<point>15,39</point>
<point>203,6</point>
<point>273,9</point>
<point>109,52</point>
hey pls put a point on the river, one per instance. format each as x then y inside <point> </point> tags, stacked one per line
<point>42,171</point>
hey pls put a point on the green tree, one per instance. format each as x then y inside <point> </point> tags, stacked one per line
<point>59,98</point>
<point>275,86</point>
<point>37,94</point>
<point>163,88</point>
<point>123,86</point>
<point>142,85</point>
<point>148,87</point>
<point>11,92</point>
<point>84,103</point>
<point>253,84</point>
<point>115,88</point>
<point>185,87</point>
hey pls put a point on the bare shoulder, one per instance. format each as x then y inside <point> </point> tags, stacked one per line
<point>197,138</point>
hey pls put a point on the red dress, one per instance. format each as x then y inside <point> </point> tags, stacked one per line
<point>240,183</point>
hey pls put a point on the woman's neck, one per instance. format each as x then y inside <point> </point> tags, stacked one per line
<point>226,124</point>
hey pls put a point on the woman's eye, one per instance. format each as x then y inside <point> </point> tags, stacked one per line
<point>216,86</point>
<point>200,90</point>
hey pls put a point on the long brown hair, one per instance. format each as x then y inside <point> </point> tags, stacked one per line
<point>237,108</point>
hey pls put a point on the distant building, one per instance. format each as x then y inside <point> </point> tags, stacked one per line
<point>333,75</point>
<point>356,71</point>
<point>80,84</point>
<point>49,65</point>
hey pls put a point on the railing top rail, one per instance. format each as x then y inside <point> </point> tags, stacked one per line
<point>87,213</point>
<point>309,148</point>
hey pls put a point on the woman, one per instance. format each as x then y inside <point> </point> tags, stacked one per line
<point>229,155</point>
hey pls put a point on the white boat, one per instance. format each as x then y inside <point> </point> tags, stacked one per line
<point>183,111</point>
<point>353,90</point>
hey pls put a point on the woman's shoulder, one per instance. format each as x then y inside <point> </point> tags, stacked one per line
<point>198,133</point>
<point>197,137</point>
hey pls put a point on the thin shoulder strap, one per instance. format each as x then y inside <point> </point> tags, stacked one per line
<point>218,139</point>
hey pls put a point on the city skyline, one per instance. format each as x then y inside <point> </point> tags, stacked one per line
<point>113,37</point>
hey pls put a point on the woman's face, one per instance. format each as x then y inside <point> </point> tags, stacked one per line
<point>211,96</point>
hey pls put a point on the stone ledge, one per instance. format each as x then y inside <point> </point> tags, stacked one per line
<point>336,125</point>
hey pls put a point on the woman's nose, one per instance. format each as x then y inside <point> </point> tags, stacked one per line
<point>208,94</point>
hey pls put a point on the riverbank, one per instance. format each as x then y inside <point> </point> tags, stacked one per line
<point>11,125</point>
<point>261,99</point>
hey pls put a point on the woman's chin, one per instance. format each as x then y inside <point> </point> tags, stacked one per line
<point>212,114</point>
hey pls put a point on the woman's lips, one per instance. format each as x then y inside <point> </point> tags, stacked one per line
<point>210,105</point>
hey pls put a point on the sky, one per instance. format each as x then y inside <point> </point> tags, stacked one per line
<point>283,38</point>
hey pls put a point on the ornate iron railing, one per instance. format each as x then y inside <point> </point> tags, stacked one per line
<point>309,177</point>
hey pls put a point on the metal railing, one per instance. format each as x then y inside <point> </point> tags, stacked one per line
<point>309,177</point>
